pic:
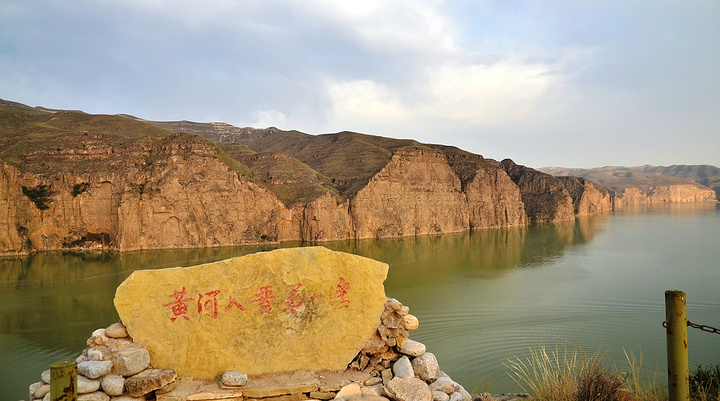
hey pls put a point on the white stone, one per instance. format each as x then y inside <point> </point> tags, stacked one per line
<point>373,381</point>
<point>42,390</point>
<point>456,397</point>
<point>33,388</point>
<point>234,378</point>
<point>410,322</point>
<point>412,348</point>
<point>444,384</point>
<point>47,397</point>
<point>116,330</point>
<point>131,361</point>
<point>96,396</point>
<point>113,385</point>
<point>403,368</point>
<point>98,337</point>
<point>126,398</point>
<point>349,390</point>
<point>440,396</point>
<point>426,367</point>
<point>94,369</point>
<point>374,390</point>
<point>46,376</point>
<point>100,353</point>
<point>411,389</point>
<point>466,396</point>
<point>85,385</point>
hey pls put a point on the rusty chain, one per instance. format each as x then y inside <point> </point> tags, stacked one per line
<point>705,328</point>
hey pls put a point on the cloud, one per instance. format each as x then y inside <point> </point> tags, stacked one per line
<point>552,78</point>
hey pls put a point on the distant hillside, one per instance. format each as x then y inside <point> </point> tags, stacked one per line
<point>617,178</point>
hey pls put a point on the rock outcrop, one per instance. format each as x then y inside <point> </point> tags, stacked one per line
<point>588,197</point>
<point>663,194</point>
<point>184,197</point>
<point>415,194</point>
<point>210,315</point>
<point>544,196</point>
<point>647,185</point>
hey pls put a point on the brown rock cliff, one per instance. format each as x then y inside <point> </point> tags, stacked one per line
<point>73,180</point>
<point>544,196</point>
<point>663,194</point>
<point>588,198</point>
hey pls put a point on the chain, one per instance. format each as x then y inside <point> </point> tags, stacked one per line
<point>702,327</point>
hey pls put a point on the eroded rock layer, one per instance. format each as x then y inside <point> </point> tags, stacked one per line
<point>71,180</point>
<point>663,194</point>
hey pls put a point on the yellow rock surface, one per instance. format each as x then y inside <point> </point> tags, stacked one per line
<point>285,310</point>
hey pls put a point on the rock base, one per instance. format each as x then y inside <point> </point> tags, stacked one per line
<point>390,367</point>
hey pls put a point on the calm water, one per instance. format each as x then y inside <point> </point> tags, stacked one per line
<point>482,297</point>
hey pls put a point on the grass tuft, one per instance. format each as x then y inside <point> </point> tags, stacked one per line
<point>570,374</point>
<point>705,383</point>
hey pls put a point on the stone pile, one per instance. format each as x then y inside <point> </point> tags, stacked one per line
<point>112,367</point>
<point>390,366</point>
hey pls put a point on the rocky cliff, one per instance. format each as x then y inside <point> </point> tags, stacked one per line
<point>73,180</point>
<point>588,197</point>
<point>663,194</point>
<point>183,197</point>
<point>646,185</point>
<point>544,196</point>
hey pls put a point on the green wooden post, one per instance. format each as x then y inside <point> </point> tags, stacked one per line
<point>63,381</point>
<point>677,345</point>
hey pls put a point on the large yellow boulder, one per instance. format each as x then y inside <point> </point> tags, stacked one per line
<point>285,310</point>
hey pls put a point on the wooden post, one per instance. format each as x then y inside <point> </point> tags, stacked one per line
<point>63,381</point>
<point>677,345</point>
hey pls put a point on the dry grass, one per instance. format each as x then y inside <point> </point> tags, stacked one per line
<point>570,374</point>
<point>705,383</point>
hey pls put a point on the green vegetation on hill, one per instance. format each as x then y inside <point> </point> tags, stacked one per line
<point>349,159</point>
<point>47,142</point>
<point>344,161</point>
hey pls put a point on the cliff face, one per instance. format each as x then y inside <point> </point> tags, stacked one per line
<point>187,198</point>
<point>494,200</point>
<point>544,196</point>
<point>663,194</point>
<point>415,194</point>
<point>645,185</point>
<point>184,199</point>
<point>588,198</point>
<point>71,180</point>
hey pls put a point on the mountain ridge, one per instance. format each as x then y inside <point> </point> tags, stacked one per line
<point>73,180</point>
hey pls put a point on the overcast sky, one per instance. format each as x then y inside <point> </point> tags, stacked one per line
<point>545,83</point>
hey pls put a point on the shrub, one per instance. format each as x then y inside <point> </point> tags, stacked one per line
<point>40,195</point>
<point>705,383</point>
<point>569,374</point>
<point>80,188</point>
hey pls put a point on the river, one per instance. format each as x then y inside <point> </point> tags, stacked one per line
<point>482,297</point>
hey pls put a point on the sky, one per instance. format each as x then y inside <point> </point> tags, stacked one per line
<point>545,83</point>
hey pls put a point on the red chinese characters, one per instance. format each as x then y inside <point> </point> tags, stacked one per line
<point>340,300</point>
<point>234,303</point>
<point>179,306</point>
<point>263,297</point>
<point>295,298</point>
<point>293,301</point>
<point>210,304</point>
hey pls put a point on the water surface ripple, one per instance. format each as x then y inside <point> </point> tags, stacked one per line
<point>482,297</point>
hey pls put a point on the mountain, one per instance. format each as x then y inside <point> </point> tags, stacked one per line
<point>72,180</point>
<point>652,184</point>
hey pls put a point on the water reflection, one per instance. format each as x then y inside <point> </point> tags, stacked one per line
<point>51,302</point>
